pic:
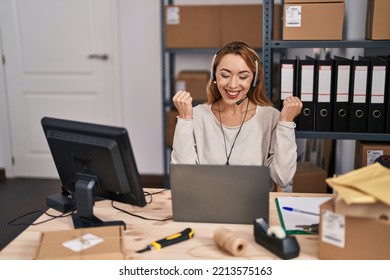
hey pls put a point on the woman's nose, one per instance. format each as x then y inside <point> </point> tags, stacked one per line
<point>233,82</point>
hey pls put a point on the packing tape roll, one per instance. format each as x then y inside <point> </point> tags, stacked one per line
<point>229,242</point>
<point>276,231</point>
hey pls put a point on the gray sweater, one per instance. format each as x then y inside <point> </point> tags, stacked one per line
<point>263,140</point>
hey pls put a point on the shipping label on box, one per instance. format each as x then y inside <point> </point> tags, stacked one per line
<point>173,15</point>
<point>333,228</point>
<point>293,16</point>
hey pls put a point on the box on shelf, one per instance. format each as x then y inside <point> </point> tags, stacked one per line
<point>194,82</point>
<point>94,243</point>
<point>213,26</point>
<point>367,152</point>
<point>309,178</point>
<point>188,26</point>
<point>351,238</point>
<point>313,21</point>
<point>378,20</point>
<point>312,1</point>
<point>170,128</point>
<point>247,25</point>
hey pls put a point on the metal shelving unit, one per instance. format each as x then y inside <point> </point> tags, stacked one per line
<point>167,61</point>
<point>168,81</point>
<point>269,45</point>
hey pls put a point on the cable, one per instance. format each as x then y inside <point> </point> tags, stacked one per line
<point>52,217</point>
<point>151,195</point>
<point>235,138</point>
<point>10,223</point>
<point>138,216</point>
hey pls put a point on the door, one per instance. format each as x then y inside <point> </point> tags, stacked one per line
<point>60,62</point>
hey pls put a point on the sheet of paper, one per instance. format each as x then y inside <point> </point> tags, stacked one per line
<point>84,242</point>
<point>290,219</point>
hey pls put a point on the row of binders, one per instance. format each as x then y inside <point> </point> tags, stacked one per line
<point>339,94</point>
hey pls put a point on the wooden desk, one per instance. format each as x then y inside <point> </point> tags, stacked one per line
<point>141,232</point>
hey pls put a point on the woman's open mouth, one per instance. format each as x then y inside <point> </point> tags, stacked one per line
<point>232,94</point>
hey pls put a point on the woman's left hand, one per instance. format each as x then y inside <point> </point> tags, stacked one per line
<point>292,107</point>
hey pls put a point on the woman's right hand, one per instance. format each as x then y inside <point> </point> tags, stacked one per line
<point>183,103</point>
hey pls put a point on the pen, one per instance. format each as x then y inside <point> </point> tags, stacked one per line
<point>169,240</point>
<point>300,211</point>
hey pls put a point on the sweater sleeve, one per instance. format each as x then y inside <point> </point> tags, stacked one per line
<point>283,162</point>
<point>184,146</point>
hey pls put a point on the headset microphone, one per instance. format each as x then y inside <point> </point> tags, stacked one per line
<point>241,100</point>
<point>247,95</point>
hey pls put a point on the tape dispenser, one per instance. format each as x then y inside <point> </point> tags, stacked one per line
<point>275,240</point>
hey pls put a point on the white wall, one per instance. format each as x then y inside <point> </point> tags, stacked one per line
<point>140,43</point>
<point>5,156</point>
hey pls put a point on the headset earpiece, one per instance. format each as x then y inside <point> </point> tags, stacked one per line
<point>212,74</point>
<point>255,79</point>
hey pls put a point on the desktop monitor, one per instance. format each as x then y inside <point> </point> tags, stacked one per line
<point>93,162</point>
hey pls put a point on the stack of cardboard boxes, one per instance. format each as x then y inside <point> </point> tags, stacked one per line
<point>213,26</point>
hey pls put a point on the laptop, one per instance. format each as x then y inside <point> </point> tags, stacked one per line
<point>219,193</point>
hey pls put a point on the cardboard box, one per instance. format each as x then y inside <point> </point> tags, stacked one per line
<point>171,124</point>
<point>213,26</point>
<point>309,178</point>
<point>367,152</point>
<point>313,21</point>
<point>194,82</point>
<point>96,243</point>
<point>312,1</point>
<point>245,23</point>
<point>350,238</point>
<point>188,26</point>
<point>377,210</point>
<point>378,20</point>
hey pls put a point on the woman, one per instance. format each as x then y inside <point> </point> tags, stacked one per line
<point>238,125</point>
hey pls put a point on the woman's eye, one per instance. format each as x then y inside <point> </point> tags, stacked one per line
<point>244,77</point>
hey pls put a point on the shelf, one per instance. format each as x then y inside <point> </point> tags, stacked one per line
<point>196,50</point>
<point>330,44</point>
<point>343,135</point>
<point>270,45</point>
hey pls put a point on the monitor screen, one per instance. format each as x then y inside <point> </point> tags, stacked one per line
<point>93,162</point>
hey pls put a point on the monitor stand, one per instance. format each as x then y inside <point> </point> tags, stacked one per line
<point>81,222</point>
<point>84,216</point>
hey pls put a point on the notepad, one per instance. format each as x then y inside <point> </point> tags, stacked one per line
<point>290,219</point>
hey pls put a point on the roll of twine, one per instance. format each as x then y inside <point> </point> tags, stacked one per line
<point>229,242</point>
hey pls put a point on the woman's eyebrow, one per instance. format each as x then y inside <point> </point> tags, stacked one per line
<point>241,72</point>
